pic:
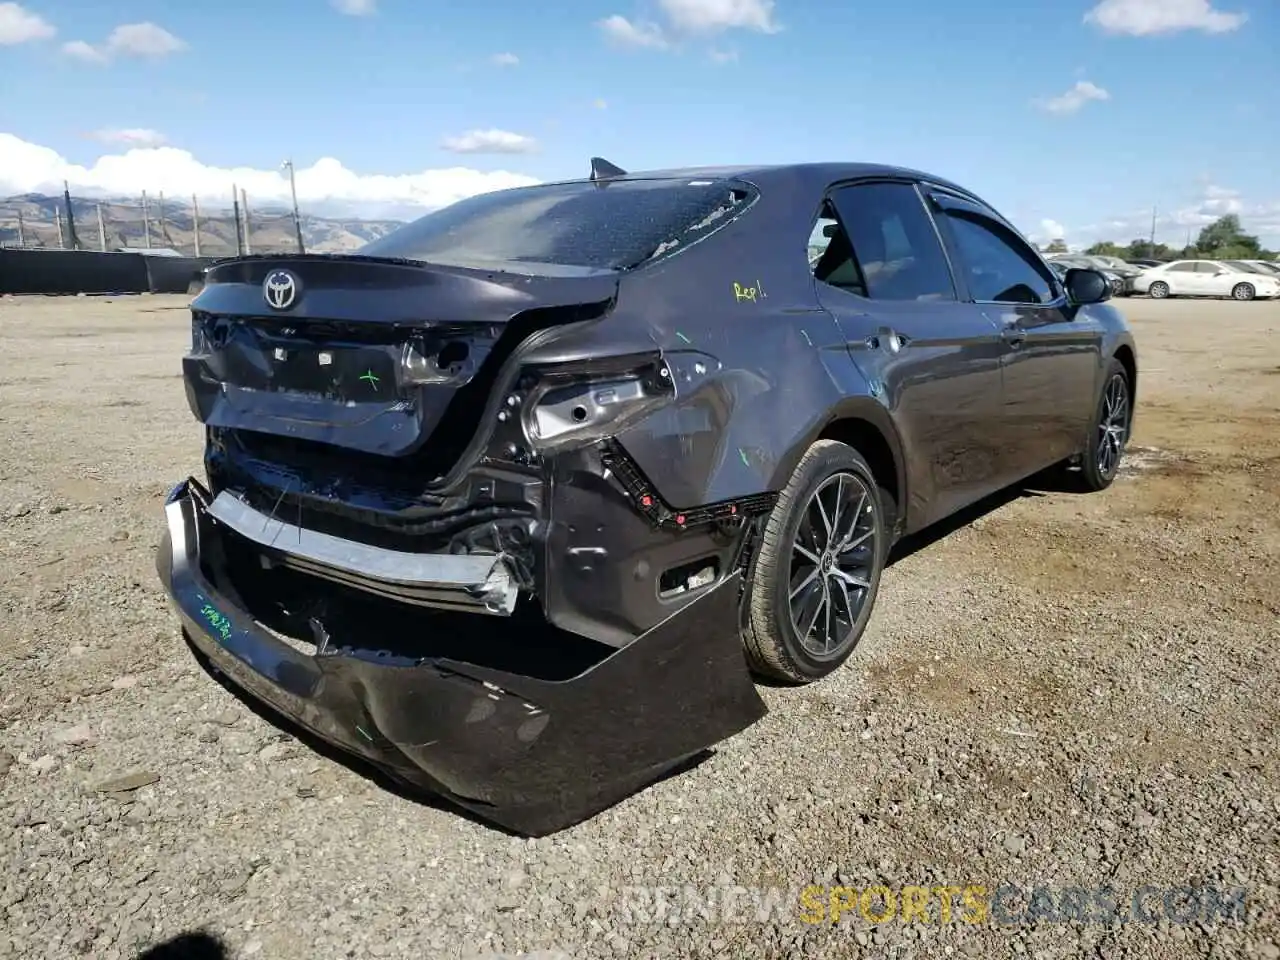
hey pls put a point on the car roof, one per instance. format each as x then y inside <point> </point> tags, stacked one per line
<point>813,175</point>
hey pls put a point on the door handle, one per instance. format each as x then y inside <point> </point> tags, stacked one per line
<point>889,339</point>
<point>1013,335</point>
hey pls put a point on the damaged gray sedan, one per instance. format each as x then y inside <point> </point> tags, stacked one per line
<point>513,501</point>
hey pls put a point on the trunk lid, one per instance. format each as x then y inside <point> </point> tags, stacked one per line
<point>368,354</point>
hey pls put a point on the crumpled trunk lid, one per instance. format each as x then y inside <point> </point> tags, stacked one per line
<point>367,354</point>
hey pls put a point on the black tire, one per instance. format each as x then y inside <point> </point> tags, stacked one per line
<point>772,640</point>
<point>1158,290</point>
<point>1096,470</point>
<point>1242,291</point>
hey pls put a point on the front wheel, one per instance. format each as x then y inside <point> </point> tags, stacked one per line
<point>1242,291</point>
<point>1109,432</point>
<point>1158,290</point>
<point>815,578</point>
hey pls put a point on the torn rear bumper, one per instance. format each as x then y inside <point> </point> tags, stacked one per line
<point>529,754</point>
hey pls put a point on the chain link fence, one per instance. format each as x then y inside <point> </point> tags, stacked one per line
<point>155,223</point>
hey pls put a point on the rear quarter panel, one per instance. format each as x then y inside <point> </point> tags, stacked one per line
<point>758,364</point>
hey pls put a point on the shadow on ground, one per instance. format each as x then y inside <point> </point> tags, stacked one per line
<point>187,946</point>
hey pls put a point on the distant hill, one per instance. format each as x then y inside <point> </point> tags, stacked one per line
<point>270,229</point>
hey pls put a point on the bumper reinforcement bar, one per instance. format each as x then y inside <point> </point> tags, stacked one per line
<point>478,583</point>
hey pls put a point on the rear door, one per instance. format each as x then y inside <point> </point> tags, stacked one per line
<point>1183,280</point>
<point>930,357</point>
<point>1051,351</point>
<point>1215,280</point>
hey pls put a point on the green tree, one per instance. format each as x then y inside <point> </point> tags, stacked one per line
<point>1224,239</point>
<point>1107,249</point>
<point>1056,246</point>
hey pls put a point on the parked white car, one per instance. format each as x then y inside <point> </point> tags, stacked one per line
<point>1205,278</point>
<point>1271,267</point>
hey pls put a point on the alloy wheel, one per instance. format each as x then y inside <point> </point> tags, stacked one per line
<point>1242,291</point>
<point>1159,290</point>
<point>833,559</point>
<point>1113,426</point>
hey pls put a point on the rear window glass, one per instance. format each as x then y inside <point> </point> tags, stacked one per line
<point>610,226</point>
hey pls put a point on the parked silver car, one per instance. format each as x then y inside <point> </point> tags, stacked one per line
<point>1206,278</point>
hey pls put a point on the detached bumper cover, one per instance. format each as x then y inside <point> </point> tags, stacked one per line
<point>531,755</point>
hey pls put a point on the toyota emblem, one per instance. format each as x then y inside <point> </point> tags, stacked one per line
<point>280,289</point>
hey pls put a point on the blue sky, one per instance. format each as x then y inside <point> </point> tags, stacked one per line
<point>1078,113</point>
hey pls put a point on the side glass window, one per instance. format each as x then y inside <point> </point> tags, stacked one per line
<point>998,267</point>
<point>1183,268</point>
<point>1204,266</point>
<point>831,254</point>
<point>893,242</point>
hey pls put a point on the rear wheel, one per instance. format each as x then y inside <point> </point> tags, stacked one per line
<point>1242,291</point>
<point>816,575</point>
<point>1159,290</point>
<point>1109,432</point>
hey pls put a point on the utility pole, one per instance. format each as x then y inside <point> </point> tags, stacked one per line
<point>235,210</point>
<point>146,219</point>
<point>102,231</point>
<point>163,232</point>
<point>62,240</point>
<point>297,220</point>
<point>22,232</point>
<point>1153,230</point>
<point>195,219</point>
<point>244,205</point>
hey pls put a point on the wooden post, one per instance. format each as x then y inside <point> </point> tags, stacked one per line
<point>195,219</point>
<point>244,204</point>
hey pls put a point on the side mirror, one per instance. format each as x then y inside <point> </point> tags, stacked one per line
<point>1086,286</point>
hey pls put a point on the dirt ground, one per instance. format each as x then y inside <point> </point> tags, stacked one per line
<point>1064,690</point>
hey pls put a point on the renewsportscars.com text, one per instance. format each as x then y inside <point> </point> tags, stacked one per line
<point>972,904</point>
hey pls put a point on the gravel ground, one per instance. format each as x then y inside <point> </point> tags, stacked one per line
<point>1064,691</point>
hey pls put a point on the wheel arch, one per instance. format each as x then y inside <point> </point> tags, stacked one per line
<point>865,425</point>
<point>1124,353</point>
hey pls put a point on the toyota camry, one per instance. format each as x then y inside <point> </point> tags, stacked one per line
<point>515,501</point>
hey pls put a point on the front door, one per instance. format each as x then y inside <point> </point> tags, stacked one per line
<point>1052,350</point>
<point>932,359</point>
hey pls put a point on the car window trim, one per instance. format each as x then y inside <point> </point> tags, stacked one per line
<point>947,202</point>
<point>959,291</point>
<point>835,211</point>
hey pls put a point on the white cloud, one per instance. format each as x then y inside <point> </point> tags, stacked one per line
<point>722,56</point>
<point>138,40</point>
<point>504,60</point>
<point>1173,222</point>
<point>490,141</point>
<point>20,25</point>
<point>1074,99</point>
<point>130,136</point>
<point>356,8</point>
<point>87,52</point>
<point>1052,230</point>
<point>684,19</point>
<point>623,32</point>
<point>1144,18</point>
<point>716,16</point>
<point>324,187</point>
<point>143,40</point>
<point>600,103</point>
